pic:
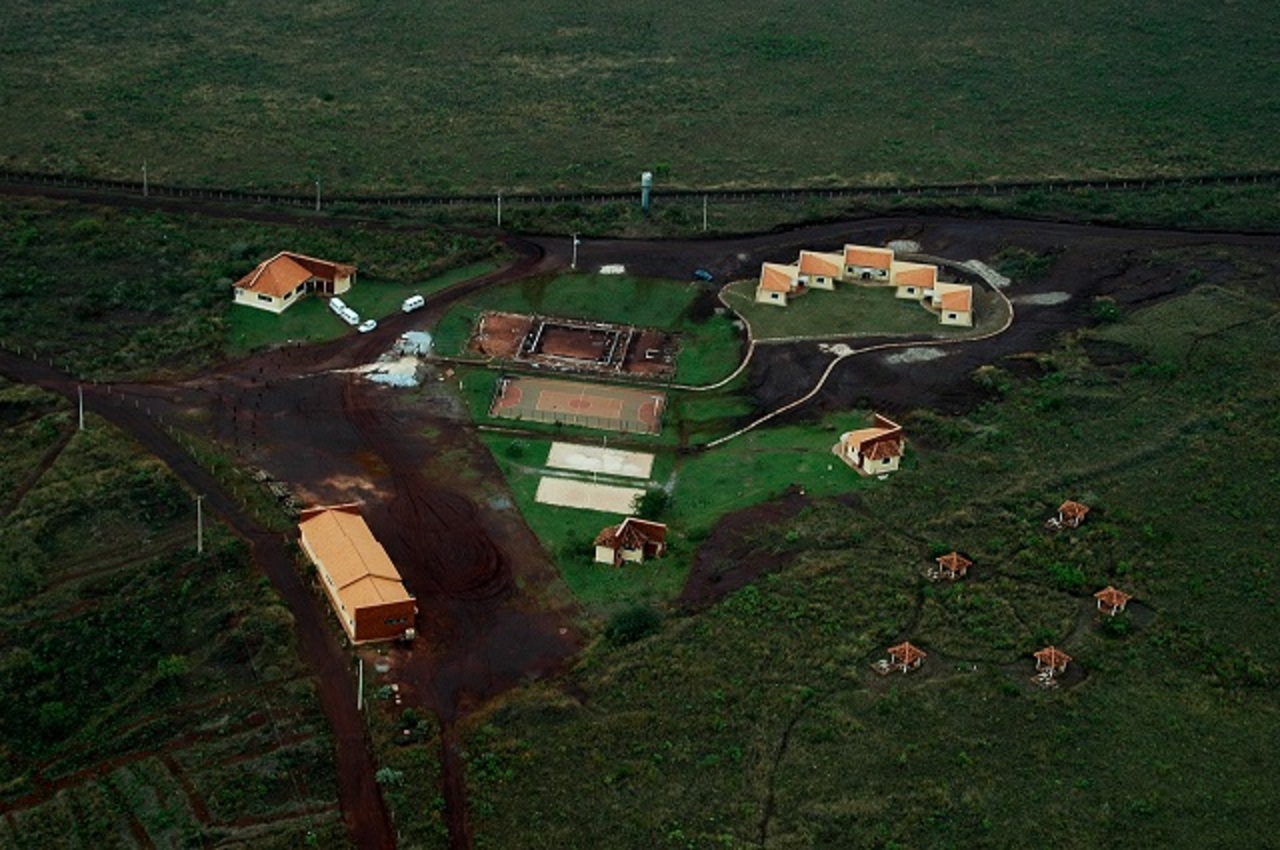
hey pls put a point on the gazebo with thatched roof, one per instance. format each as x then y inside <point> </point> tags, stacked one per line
<point>1052,660</point>
<point>1111,601</point>
<point>906,657</point>
<point>1071,514</point>
<point>953,566</point>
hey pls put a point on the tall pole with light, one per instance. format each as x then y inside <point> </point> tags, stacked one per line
<point>573,264</point>
<point>317,194</point>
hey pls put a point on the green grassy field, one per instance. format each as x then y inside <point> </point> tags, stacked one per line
<point>490,97</point>
<point>114,293</point>
<point>150,691</point>
<point>310,320</point>
<point>710,344</point>
<point>760,722</point>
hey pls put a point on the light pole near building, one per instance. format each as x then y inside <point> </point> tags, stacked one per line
<point>317,194</point>
<point>576,242</point>
<point>199,525</point>
<point>499,209</point>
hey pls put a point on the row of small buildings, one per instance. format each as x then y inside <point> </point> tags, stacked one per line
<point>864,264</point>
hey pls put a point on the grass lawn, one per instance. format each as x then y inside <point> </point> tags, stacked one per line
<point>760,716</point>
<point>850,311</point>
<point>311,320</point>
<point>710,346</point>
<point>491,97</point>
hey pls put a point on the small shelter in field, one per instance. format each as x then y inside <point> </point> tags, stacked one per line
<point>1111,601</point>
<point>1070,515</point>
<point>281,281</point>
<point>634,539</point>
<point>906,657</point>
<point>872,451</point>
<point>1051,660</point>
<point>952,566</point>
<point>362,584</point>
<point>777,284</point>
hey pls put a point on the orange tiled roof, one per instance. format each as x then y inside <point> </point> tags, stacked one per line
<point>959,299</point>
<point>339,539</point>
<point>1071,509</point>
<point>1112,597</point>
<point>775,277</point>
<point>906,653</point>
<point>632,533</point>
<point>914,274</point>
<point>1053,657</point>
<point>881,447</point>
<point>864,255</point>
<point>282,273</point>
<point>955,562</point>
<point>814,262</point>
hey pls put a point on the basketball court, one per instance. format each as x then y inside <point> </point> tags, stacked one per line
<point>607,408</point>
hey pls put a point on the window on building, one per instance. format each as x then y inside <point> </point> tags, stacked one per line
<point>266,298</point>
<point>951,315</point>
<point>886,460</point>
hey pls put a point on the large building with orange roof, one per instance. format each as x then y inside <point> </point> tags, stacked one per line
<point>362,584</point>
<point>863,262</point>
<point>280,282</point>
<point>954,303</point>
<point>912,280</point>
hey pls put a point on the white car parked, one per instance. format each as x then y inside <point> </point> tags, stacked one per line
<point>367,325</point>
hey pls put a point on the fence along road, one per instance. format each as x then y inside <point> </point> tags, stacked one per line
<point>133,188</point>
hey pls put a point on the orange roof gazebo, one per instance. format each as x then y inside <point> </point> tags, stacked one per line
<point>1052,659</point>
<point>1071,514</point>
<point>907,657</point>
<point>954,565</point>
<point>1111,601</point>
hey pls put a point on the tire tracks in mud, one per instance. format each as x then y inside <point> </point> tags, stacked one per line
<point>363,809</point>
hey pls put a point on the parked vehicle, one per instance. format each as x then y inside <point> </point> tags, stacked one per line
<point>367,325</point>
<point>351,317</point>
<point>337,305</point>
<point>413,302</point>
<point>703,274</point>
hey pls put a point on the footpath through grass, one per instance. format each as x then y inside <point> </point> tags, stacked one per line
<point>759,720</point>
<point>120,648</point>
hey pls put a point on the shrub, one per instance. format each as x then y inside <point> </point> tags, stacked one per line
<point>632,624</point>
<point>651,504</point>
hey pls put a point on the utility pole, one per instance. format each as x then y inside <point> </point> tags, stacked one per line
<point>145,188</point>
<point>80,397</point>
<point>360,687</point>
<point>704,213</point>
<point>576,243</point>
<point>499,209</point>
<point>199,525</point>
<point>317,194</point>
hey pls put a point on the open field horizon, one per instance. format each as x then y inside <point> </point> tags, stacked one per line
<point>493,97</point>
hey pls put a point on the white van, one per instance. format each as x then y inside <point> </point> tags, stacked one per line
<point>337,305</point>
<point>413,302</point>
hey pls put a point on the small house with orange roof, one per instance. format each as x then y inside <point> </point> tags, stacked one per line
<point>906,657</point>
<point>872,451</point>
<point>362,584</point>
<point>281,281</point>
<point>1070,514</point>
<point>863,262</point>
<point>634,539</point>
<point>953,566</point>
<point>953,303</point>
<point>913,280</point>
<point>1051,660</point>
<point>777,283</point>
<point>817,270</point>
<point>1111,601</point>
